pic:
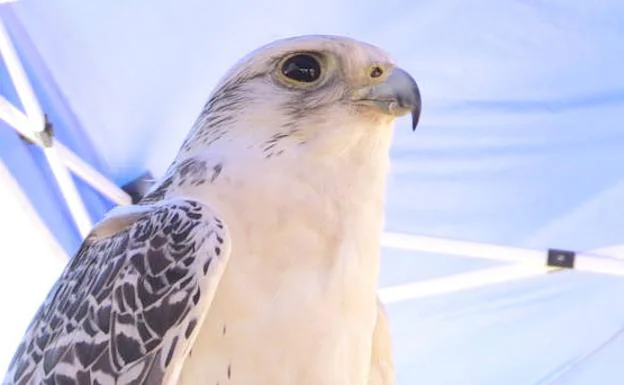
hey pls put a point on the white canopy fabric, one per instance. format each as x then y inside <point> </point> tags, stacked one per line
<point>559,328</point>
<point>32,259</point>
<point>520,144</point>
<point>521,132</point>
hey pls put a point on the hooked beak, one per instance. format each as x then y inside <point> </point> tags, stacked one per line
<point>397,95</point>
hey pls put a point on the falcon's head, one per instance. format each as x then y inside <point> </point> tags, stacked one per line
<point>305,95</point>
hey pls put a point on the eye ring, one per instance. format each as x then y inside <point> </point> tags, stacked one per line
<point>301,68</point>
<point>376,71</point>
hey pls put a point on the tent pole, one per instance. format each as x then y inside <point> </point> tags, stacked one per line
<point>586,262</point>
<point>36,124</point>
<point>16,119</point>
<point>461,281</point>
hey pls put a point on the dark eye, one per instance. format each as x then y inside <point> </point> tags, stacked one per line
<point>302,68</point>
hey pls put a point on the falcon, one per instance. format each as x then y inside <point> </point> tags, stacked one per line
<point>255,258</point>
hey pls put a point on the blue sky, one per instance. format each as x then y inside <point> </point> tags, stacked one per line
<point>522,131</point>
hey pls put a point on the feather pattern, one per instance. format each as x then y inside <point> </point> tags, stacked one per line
<point>126,307</point>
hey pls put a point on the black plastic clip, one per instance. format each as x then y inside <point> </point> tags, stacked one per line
<point>138,187</point>
<point>44,138</point>
<point>561,258</point>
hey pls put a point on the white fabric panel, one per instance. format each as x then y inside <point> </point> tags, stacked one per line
<point>30,262</point>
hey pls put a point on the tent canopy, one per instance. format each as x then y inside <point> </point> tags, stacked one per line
<point>516,94</point>
<point>520,144</point>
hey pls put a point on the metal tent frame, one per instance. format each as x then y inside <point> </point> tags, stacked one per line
<point>32,125</point>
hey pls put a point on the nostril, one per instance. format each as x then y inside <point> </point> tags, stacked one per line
<point>376,72</point>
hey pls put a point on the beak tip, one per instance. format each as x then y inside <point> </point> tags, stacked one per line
<point>415,117</point>
<point>411,95</point>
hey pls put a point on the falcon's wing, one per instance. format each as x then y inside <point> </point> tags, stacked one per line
<point>382,364</point>
<point>129,305</point>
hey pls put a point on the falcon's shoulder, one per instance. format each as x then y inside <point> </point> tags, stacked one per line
<point>128,306</point>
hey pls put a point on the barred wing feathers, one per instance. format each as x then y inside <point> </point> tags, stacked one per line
<point>128,307</point>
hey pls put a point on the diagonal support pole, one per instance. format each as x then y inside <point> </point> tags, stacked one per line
<point>36,124</point>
